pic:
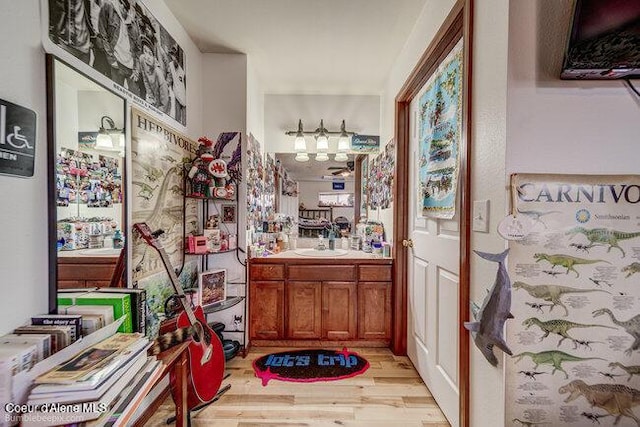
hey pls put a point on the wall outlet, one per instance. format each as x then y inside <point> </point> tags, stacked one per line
<point>481,216</point>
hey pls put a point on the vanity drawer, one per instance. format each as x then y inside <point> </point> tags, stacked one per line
<point>322,272</point>
<point>266,272</point>
<point>375,273</point>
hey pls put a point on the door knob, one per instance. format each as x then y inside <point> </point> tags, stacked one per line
<point>407,243</point>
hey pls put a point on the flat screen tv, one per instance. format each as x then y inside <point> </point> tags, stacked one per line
<point>605,40</point>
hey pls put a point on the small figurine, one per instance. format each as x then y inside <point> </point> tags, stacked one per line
<point>199,173</point>
<point>213,221</point>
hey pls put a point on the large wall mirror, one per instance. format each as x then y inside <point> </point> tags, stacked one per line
<point>328,190</point>
<point>86,156</point>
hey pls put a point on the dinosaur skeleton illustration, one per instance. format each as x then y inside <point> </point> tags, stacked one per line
<point>631,326</point>
<point>538,306</point>
<point>559,327</point>
<point>531,374</point>
<point>554,358</point>
<point>631,269</point>
<point>535,215</point>
<point>580,247</point>
<point>552,273</point>
<point>616,399</point>
<point>600,282</point>
<point>603,237</point>
<point>529,423</point>
<point>595,418</point>
<point>630,370</point>
<point>565,261</point>
<point>586,344</point>
<point>552,293</point>
<point>609,375</point>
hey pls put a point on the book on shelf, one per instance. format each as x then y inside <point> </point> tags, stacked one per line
<point>138,306</point>
<point>41,341</point>
<point>74,320</point>
<point>60,335</point>
<point>64,395</point>
<point>105,311</point>
<point>20,356</point>
<point>85,411</point>
<point>131,396</point>
<point>93,365</point>
<point>121,304</point>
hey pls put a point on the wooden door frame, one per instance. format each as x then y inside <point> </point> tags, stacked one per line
<point>457,25</point>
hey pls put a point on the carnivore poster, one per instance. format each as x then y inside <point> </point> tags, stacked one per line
<point>575,278</point>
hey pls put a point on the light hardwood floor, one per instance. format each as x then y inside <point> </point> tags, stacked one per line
<point>390,393</point>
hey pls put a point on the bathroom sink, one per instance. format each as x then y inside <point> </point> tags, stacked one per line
<point>101,252</point>
<point>310,252</point>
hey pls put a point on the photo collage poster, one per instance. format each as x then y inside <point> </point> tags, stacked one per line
<point>440,124</point>
<point>255,184</point>
<point>381,171</point>
<point>122,45</point>
<point>575,335</point>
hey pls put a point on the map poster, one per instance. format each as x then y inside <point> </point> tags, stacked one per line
<point>159,153</point>
<point>440,126</point>
<point>575,276</point>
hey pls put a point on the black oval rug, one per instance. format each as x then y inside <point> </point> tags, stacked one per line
<point>309,365</point>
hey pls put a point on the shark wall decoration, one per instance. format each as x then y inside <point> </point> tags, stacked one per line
<point>488,329</point>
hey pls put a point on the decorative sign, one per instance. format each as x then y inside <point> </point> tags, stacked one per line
<point>309,365</point>
<point>365,143</point>
<point>576,333</point>
<point>337,185</point>
<point>440,132</point>
<point>87,139</point>
<point>123,46</point>
<point>17,139</point>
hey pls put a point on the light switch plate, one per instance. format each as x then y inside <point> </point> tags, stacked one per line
<point>481,216</point>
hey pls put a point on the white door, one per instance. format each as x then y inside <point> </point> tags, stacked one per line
<point>433,292</point>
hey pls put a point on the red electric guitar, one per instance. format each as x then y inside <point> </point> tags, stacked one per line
<point>206,356</point>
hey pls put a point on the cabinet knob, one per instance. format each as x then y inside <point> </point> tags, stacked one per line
<point>407,243</point>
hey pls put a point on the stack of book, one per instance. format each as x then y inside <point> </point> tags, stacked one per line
<point>97,386</point>
<point>100,306</point>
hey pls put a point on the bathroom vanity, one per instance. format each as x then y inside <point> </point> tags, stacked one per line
<point>302,298</point>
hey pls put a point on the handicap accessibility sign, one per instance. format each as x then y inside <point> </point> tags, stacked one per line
<point>17,139</point>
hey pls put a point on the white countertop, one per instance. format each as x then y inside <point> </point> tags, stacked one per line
<point>351,254</point>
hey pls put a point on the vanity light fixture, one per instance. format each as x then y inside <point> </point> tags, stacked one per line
<point>104,141</point>
<point>321,135</point>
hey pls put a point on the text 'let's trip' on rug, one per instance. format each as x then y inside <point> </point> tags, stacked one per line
<point>309,365</point>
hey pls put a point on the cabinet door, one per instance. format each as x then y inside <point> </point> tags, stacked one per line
<point>304,315</point>
<point>266,310</point>
<point>339,310</point>
<point>374,314</point>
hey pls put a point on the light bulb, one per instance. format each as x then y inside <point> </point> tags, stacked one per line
<point>341,157</point>
<point>103,141</point>
<point>343,143</point>
<point>302,157</point>
<point>322,143</point>
<point>300,144</point>
<point>322,157</point>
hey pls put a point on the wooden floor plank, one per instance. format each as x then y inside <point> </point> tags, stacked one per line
<point>389,394</point>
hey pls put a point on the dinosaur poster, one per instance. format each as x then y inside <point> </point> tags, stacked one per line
<point>158,154</point>
<point>575,277</point>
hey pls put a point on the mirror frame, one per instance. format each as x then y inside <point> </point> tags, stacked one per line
<point>52,213</point>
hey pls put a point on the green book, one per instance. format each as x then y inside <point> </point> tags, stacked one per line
<point>69,298</point>
<point>121,304</point>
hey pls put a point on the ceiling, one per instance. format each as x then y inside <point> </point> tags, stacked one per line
<point>311,170</point>
<point>305,46</point>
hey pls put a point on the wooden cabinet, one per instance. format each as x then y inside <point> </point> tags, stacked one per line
<point>339,307</point>
<point>266,310</point>
<point>374,314</point>
<point>303,310</point>
<point>320,300</point>
<point>85,271</point>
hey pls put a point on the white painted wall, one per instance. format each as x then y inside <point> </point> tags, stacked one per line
<point>282,112</point>
<point>588,127</point>
<point>23,256</point>
<point>255,103</point>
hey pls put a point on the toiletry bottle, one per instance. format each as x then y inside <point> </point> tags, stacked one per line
<point>118,240</point>
<point>332,240</point>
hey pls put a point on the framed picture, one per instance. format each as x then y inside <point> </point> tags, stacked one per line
<point>228,213</point>
<point>212,286</point>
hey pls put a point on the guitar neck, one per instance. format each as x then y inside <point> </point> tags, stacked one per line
<point>176,284</point>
